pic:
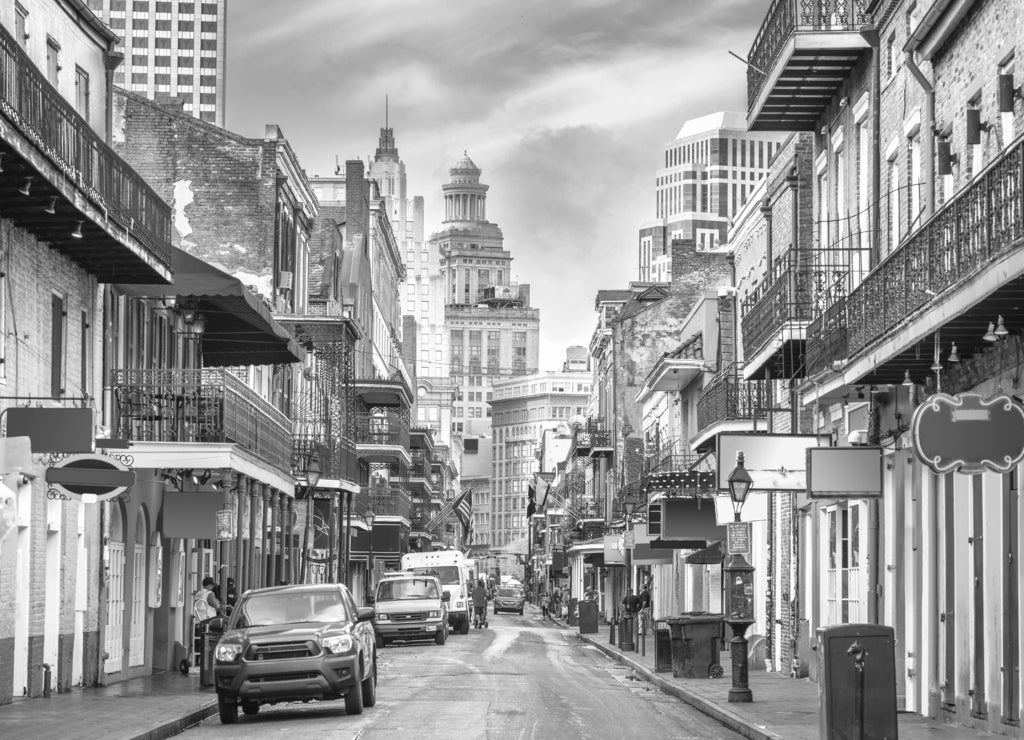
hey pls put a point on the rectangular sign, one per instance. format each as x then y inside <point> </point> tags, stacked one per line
<point>629,540</point>
<point>738,538</point>
<point>844,472</point>
<point>225,524</point>
<point>690,519</point>
<point>755,508</point>
<point>776,462</point>
<point>53,430</point>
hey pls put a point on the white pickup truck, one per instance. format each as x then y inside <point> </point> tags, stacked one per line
<point>455,573</point>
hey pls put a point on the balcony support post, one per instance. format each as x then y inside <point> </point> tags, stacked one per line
<point>255,501</point>
<point>225,547</point>
<point>266,560</point>
<point>274,551</point>
<point>241,495</point>
<point>288,553</point>
<point>332,563</point>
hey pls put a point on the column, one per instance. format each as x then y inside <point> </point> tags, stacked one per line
<point>252,572</point>
<point>284,537</point>
<point>265,546</point>
<point>238,566</point>
<point>332,565</point>
<point>275,523</point>
<point>288,553</point>
<point>224,548</point>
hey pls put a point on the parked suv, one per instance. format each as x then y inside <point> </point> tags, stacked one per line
<point>509,600</point>
<point>409,606</point>
<point>295,643</point>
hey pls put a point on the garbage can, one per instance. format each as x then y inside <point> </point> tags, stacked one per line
<point>662,646</point>
<point>210,632</point>
<point>696,639</point>
<point>588,617</point>
<point>858,681</point>
<point>574,618</point>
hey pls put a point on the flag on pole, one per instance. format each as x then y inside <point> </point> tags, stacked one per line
<point>463,507</point>
<point>543,487</point>
<point>531,496</point>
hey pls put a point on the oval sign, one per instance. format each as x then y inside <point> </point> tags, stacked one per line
<point>967,433</point>
<point>90,474</point>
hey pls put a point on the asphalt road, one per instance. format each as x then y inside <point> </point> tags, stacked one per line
<point>519,678</point>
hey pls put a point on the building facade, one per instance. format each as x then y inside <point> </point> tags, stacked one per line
<point>172,48</point>
<point>709,172</point>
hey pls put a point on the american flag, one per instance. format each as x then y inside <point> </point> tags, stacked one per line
<point>464,511</point>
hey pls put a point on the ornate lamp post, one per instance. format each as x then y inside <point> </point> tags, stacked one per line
<point>368,517</point>
<point>626,632</point>
<point>739,592</point>
<point>311,473</point>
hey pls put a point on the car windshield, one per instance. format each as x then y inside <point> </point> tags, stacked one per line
<point>444,573</point>
<point>510,592</point>
<point>399,589</point>
<point>259,610</point>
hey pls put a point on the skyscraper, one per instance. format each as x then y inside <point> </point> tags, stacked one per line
<point>172,47</point>
<point>709,170</point>
<point>493,332</point>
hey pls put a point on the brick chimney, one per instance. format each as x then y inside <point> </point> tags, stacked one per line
<point>356,206</point>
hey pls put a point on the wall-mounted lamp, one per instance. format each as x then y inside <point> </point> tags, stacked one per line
<point>51,207</point>
<point>77,233</point>
<point>945,158</point>
<point>26,188</point>
<point>1001,331</point>
<point>990,335</point>
<point>975,126</point>
<point>953,356</point>
<point>907,382</point>
<point>1007,93</point>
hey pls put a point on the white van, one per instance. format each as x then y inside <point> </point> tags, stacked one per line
<point>456,575</point>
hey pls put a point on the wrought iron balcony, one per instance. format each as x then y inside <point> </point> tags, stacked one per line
<point>729,398</point>
<point>385,501</point>
<point>592,439</point>
<point>777,313</point>
<point>799,59</point>
<point>337,456</point>
<point>384,427</point>
<point>420,466</point>
<point>826,338</point>
<point>981,225</point>
<point>125,235</point>
<point>210,405</point>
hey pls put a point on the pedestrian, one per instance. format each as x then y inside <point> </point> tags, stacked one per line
<point>232,593</point>
<point>644,605</point>
<point>205,603</point>
<point>629,603</point>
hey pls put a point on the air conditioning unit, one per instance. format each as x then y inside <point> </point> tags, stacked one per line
<point>285,280</point>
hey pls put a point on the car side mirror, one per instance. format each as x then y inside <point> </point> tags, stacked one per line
<point>218,624</point>
<point>365,613</point>
<point>446,596</point>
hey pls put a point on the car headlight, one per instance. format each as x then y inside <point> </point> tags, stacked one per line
<point>434,615</point>
<point>338,644</point>
<point>227,652</point>
<point>383,617</point>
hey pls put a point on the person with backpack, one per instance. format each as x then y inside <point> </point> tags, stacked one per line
<point>205,603</point>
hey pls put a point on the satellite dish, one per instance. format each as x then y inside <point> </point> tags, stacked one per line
<point>578,421</point>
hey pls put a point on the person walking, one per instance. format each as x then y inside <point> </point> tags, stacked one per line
<point>479,605</point>
<point>205,603</point>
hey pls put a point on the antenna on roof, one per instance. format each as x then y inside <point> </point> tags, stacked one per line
<point>337,165</point>
<point>385,110</point>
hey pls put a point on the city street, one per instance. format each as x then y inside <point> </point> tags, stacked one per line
<point>517,679</point>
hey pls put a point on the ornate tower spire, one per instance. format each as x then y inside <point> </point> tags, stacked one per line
<point>386,148</point>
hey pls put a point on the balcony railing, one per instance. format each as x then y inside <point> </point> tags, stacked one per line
<point>385,501</point>
<point>982,222</point>
<point>591,435</point>
<point>211,405</point>
<point>784,296</point>
<point>382,428</point>
<point>786,17</point>
<point>727,397</point>
<point>337,456</point>
<point>42,115</point>
<point>420,467</point>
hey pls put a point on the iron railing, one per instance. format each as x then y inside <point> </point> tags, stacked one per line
<point>385,501</point>
<point>383,427</point>
<point>209,405</point>
<point>592,434</point>
<point>783,296</point>
<point>32,104</point>
<point>669,464</point>
<point>786,17</point>
<point>727,397</point>
<point>337,456</point>
<point>420,467</point>
<point>982,222</point>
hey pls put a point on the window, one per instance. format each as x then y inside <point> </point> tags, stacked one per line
<point>890,57</point>
<point>85,354</point>
<point>82,92</point>
<point>52,60</point>
<point>20,24</point>
<point>57,330</point>
<point>895,219</point>
<point>915,185</point>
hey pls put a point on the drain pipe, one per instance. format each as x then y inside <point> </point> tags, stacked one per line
<point>929,124</point>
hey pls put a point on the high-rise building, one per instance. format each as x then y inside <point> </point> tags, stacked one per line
<point>492,331</point>
<point>524,408</point>
<point>710,168</point>
<point>172,47</point>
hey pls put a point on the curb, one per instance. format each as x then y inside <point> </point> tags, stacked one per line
<point>733,721</point>
<point>177,726</point>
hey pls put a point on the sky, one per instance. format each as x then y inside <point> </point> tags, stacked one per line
<point>565,105</point>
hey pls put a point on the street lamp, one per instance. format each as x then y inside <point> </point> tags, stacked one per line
<point>626,631</point>
<point>311,473</point>
<point>739,592</point>
<point>368,517</point>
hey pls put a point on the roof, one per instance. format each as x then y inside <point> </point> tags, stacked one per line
<point>240,329</point>
<point>713,122</point>
<point>691,349</point>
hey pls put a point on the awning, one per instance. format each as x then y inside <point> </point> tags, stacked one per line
<point>711,555</point>
<point>240,329</point>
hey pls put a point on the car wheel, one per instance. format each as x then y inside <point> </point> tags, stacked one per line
<point>227,709</point>
<point>354,698</point>
<point>183,666</point>
<point>495,610</point>
<point>439,637</point>
<point>464,627</point>
<point>370,686</point>
<point>520,612</point>
<point>379,641</point>
<point>250,707</point>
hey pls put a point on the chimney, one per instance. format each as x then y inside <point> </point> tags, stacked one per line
<point>356,206</point>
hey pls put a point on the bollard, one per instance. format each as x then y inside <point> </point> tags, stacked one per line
<point>611,636</point>
<point>46,680</point>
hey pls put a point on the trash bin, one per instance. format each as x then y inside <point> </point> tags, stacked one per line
<point>696,639</point>
<point>662,646</point>
<point>588,617</point>
<point>858,681</point>
<point>574,618</point>
<point>210,632</point>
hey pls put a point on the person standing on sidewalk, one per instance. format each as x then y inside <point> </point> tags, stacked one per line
<point>643,604</point>
<point>205,604</point>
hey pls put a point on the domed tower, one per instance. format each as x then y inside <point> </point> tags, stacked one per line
<point>465,197</point>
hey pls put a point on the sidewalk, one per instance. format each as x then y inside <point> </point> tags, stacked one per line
<point>148,708</point>
<point>783,708</point>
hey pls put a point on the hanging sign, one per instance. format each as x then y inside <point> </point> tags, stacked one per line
<point>89,477</point>
<point>225,525</point>
<point>967,433</point>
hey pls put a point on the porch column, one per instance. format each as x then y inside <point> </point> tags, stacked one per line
<point>265,540</point>
<point>272,550</point>
<point>251,571</point>
<point>290,550</point>
<point>241,496</point>
<point>332,564</point>
<point>284,524</point>
<point>226,548</point>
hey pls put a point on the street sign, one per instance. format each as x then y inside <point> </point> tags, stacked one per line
<point>225,525</point>
<point>629,540</point>
<point>738,538</point>
<point>89,476</point>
